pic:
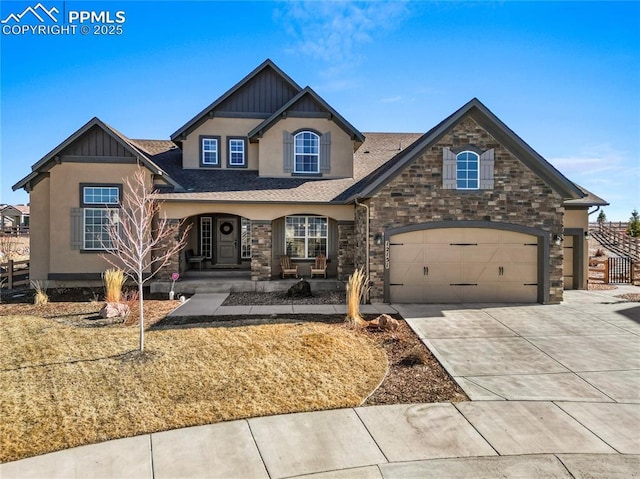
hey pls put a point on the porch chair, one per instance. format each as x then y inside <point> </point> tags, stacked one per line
<point>320,267</point>
<point>192,259</point>
<point>287,268</point>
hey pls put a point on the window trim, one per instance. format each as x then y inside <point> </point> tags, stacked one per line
<point>245,222</point>
<point>318,137</point>
<point>201,149</point>
<point>477,170</point>
<point>307,237</point>
<point>245,160</point>
<point>108,208</point>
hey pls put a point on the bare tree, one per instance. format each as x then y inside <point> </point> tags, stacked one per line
<point>140,241</point>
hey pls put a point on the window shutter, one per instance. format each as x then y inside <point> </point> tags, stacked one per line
<point>325,153</point>
<point>448,169</point>
<point>486,170</point>
<point>76,228</point>
<point>287,149</point>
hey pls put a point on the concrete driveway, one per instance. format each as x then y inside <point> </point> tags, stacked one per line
<point>586,349</point>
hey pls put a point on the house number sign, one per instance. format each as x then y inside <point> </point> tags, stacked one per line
<point>386,254</point>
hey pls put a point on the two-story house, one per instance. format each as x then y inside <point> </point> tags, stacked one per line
<point>465,212</point>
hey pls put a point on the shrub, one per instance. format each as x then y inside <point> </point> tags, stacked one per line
<point>41,296</point>
<point>357,290</point>
<point>599,252</point>
<point>113,281</point>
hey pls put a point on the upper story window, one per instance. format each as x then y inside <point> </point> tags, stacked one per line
<point>467,170</point>
<point>237,152</point>
<point>306,152</point>
<point>210,151</point>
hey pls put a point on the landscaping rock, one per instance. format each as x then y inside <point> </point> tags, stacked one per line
<point>384,322</point>
<point>302,289</point>
<point>114,310</point>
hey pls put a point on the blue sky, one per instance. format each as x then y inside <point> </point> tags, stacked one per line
<point>564,76</point>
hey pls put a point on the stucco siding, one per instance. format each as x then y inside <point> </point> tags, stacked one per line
<point>222,127</point>
<point>272,154</point>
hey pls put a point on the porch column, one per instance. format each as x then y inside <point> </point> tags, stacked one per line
<point>261,246</point>
<point>346,249</point>
<point>174,263</point>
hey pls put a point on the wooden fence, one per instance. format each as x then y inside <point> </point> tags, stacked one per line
<point>614,237</point>
<point>14,273</point>
<point>15,231</point>
<point>614,271</point>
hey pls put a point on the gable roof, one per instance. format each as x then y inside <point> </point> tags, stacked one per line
<point>266,75</point>
<point>15,210</point>
<point>309,104</point>
<point>50,159</point>
<point>491,123</point>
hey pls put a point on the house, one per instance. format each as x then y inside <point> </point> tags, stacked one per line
<point>14,219</point>
<point>464,212</point>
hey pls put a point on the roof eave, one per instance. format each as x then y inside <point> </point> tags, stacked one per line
<point>259,130</point>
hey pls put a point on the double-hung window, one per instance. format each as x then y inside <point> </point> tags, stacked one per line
<point>100,214</point>
<point>210,151</point>
<point>306,236</point>
<point>237,154</point>
<point>467,170</point>
<point>306,152</point>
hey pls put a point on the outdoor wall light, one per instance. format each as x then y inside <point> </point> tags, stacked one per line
<point>378,239</point>
<point>586,235</point>
<point>557,239</point>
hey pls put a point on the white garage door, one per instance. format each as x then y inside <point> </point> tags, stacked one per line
<point>454,265</point>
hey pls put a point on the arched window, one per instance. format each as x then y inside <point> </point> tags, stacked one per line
<point>467,169</point>
<point>306,152</point>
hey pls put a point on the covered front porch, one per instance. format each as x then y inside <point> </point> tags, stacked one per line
<point>240,247</point>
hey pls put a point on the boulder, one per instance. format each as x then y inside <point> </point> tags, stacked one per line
<point>114,310</point>
<point>302,289</point>
<point>384,322</point>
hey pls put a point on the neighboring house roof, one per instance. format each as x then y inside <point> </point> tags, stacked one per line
<point>266,77</point>
<point>491,123</point>
<point>590,199</point>
<point>15,210</point>
<point>52,158</point>
<point>309,104</point>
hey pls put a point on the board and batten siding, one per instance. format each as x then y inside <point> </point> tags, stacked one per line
<point>97,143</point>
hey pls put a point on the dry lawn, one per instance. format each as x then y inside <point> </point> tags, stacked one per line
<point>64,386</point>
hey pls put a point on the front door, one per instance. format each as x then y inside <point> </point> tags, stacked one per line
<point>226,240</point>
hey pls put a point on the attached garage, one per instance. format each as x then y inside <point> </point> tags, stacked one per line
<point>462,265</point>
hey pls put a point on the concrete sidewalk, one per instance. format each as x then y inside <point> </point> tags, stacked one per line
<point>479,439</point>
<point>555,389</point>
<point>210,304</point>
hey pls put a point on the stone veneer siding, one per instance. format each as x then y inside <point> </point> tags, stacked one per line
<point>346,248</point>
<point>261,233</point>
<point>416,196</point>
<point>174,265</point>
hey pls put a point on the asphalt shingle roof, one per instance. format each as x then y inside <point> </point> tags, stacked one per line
<point>246,185</point>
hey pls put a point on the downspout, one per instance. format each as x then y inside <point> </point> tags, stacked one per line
<point>589,213</point>
<point>366,239</point>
